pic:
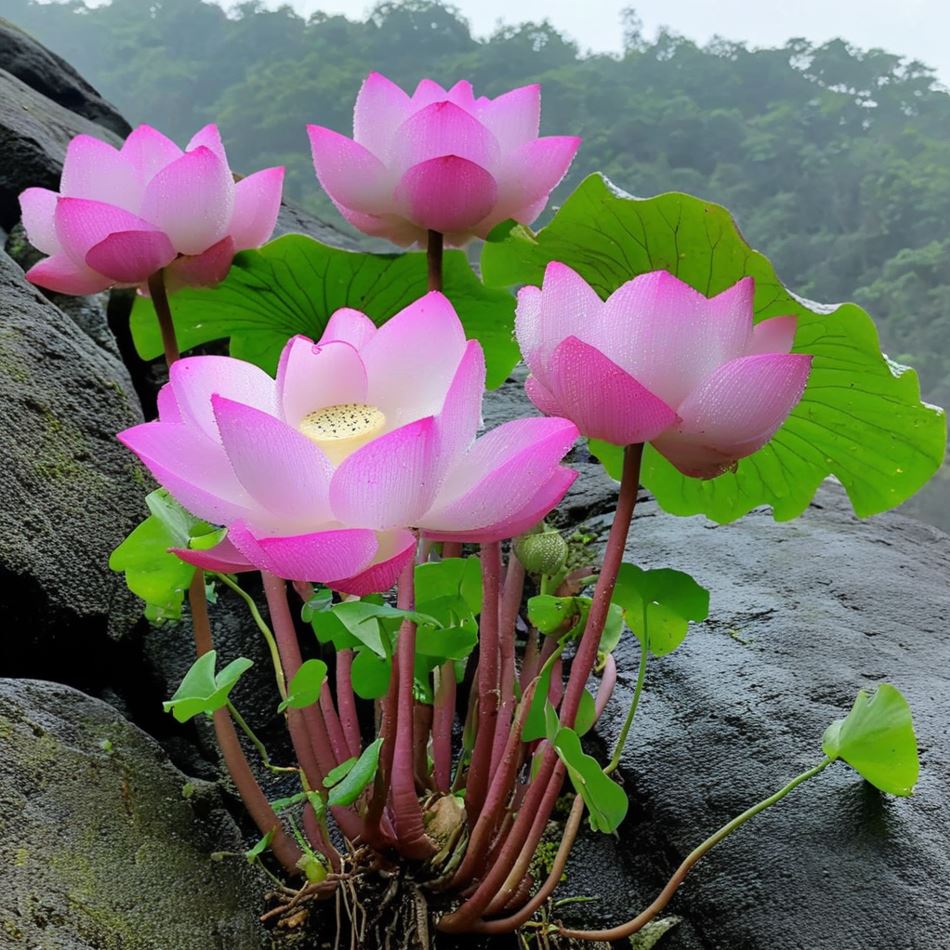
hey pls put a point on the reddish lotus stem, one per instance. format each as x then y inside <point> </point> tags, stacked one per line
<point>347,701</point>
<point>443,716</point>
<point>531,661</point>
<point>434,246</point>
<point>383,781</point>
<point>338,741</point>
<point>156,287</point>
<point>412,840</point>
<point>421,727</point>
<point>503,778</point>
<point>507,618</point>
<point>255,801</point>
<point>586,654</point>
<point>541,795</point>
<point>476,785</point>
<point>306,726</point>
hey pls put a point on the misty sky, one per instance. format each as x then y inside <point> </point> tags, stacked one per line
<point>915,28</point>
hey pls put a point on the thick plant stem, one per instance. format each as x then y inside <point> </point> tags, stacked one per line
<point>631,927</point>
<point>443,716</point>
<point>607,683</point>
<point>338,741</point>
<point>156,287</point>
<point>507,619</point>
<point>255,801</point>
<point>306,726</point>
<point>434,245</point>
<point>476,785</point>
<point>347,701</point>
<point>499,792</point>
<point>412,840</point>
<point>603,592</point>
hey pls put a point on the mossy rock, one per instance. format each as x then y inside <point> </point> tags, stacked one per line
<point>106,845</point>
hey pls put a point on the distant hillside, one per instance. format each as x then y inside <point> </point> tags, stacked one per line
<point>836,161</point>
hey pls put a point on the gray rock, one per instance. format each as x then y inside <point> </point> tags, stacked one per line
<point>105,844</point>
<point>803,614</point>
<point>53,77</point>
<point>70,491</point>
<point>34,133</point>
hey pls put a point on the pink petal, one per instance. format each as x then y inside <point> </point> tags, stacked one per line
<point>531,174</point>
<point>775,335</point>
<point>81,224</point>
<point>569,307</point>
<point>547,498</point>
<point>63,275</point>
<point>515,117</point>
<point>201,270</point>
<point>500,475</point>
<point>191,200</point>
<point>528,323</point>
<point>381,107</point>
<point>734,412</point>
<point>396,548</point>
<point>148,152</point>
<point>669,336</point>
<point>321,556</point>
<point>423,343</point>
<point>131,257</point>
<point>224,557</point>
<point>462,95</point>
<point>281,469</point>
<point>313,376</point>
<point>349,173</point>
<point>195,379</point>
<point>349,326</point>
<point>427,92</point>
<point>168,410</point>
<point>602,400</point>
<point>441,130</point>
<point>389,482</point>
<point>210,138</point>
<point>95,170</point>
<point>461,413</point>
<point>37,213</point>
<point>256,206</point>
<point>447,194</point>
<point>389,226</point>
<point>540,396</point>
<point>193,468</point>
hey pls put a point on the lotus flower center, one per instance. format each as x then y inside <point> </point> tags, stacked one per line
<point>341,430</point>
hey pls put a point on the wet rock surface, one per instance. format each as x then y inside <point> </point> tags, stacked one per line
<point>105,845</point>
<point>70,491</point>
<point>802,615</point>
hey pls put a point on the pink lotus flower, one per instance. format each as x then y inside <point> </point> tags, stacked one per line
<point>123,214</point>
<point>440,160</point>
<point>658,362</point>
<point>319,475</point>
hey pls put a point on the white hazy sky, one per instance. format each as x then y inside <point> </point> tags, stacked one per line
<point>916,28</point>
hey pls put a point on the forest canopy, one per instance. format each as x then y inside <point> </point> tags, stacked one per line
<point>834,160</point>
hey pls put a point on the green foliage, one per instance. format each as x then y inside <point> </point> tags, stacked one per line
<point>305,686</point>
<point>358,777</point>
<point>294,284</point>
<point>252,854</point>
<point>556,615</point>
<point>658,605</point>
<point>606,801</point>
<point>861,418</point>
<point>152,572</point>
<point>203,691</point>
<point>877,740</point>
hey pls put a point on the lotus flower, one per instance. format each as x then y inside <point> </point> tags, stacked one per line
<point>123,214</point>
<point>440,160</point>
<point>658,362</point>
<point>319,475</point>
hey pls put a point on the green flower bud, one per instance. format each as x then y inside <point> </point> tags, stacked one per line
<point>544,553</point>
